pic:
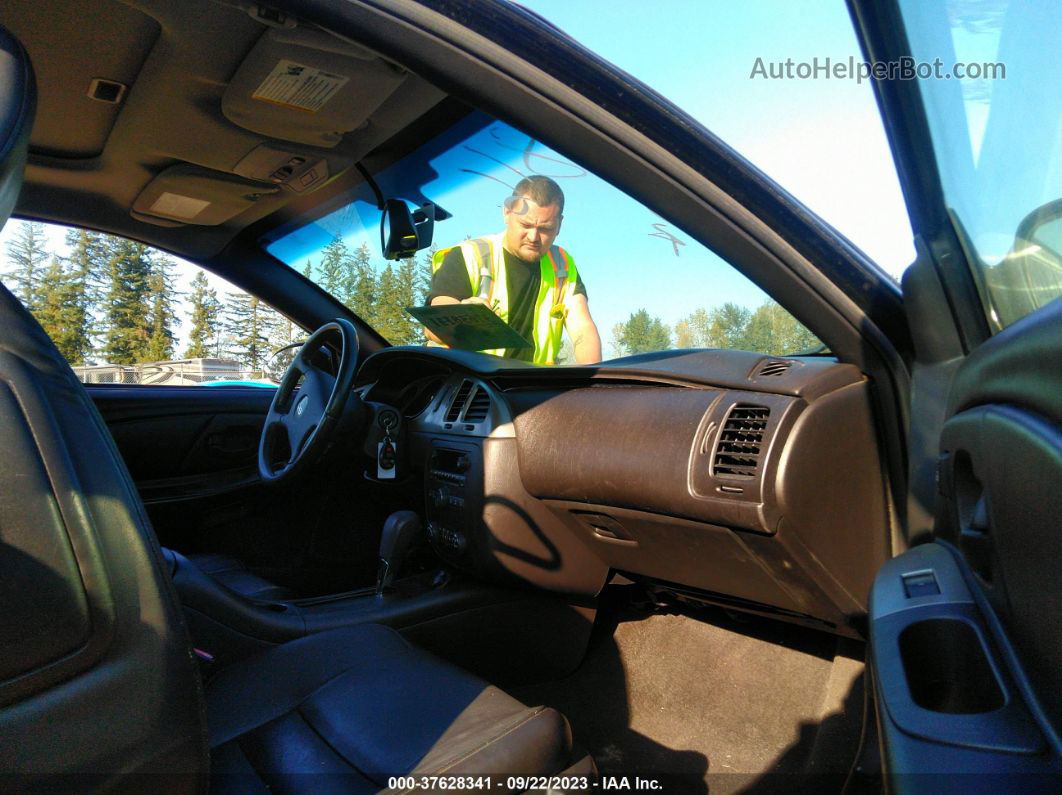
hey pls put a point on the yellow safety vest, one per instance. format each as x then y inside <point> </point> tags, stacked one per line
<point>555,290</point>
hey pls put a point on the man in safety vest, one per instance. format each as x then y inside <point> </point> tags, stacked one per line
<point>527,281</point>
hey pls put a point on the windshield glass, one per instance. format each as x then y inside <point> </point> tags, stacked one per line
<point>997,136</point>
<point>627,276</point>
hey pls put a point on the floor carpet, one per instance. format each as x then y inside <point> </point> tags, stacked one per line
<point>709,701</point>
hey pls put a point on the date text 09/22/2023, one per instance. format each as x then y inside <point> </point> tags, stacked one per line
<point>523,783</point>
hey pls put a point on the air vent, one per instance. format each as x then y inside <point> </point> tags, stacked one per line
<point>775,367</point>
<point>459,401</point>
<point>478,406</point>
<point>737,454</point>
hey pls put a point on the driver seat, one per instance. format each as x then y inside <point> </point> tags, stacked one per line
<point>98,682</point>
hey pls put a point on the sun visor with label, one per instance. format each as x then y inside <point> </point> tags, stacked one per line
<point>189,194</point>
<point>307,86</point>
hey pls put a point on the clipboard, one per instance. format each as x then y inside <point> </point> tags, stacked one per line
<point>469,327</point>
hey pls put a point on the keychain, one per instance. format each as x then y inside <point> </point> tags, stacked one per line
<point>386,458</point>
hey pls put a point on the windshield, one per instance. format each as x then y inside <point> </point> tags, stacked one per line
<point>643,284</point>
<point>997,136</point>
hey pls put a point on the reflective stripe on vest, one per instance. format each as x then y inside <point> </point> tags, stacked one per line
<point>556,288</point>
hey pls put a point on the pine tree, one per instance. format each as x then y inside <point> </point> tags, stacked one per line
<point>128,311</point>
<point>362,286</point>
<point>59,313</point>
<point>26,254</point>
<point>386,320</point>
<point>406,293</point>
<point>334,269</point>
<point>87,267</point>
<point>247,330</point>
<point>205,315</point>
<point>161,299</point>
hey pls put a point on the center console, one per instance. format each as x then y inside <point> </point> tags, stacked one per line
<point>453,491</point>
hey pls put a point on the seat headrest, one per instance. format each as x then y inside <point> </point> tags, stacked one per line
<point>18,101</point>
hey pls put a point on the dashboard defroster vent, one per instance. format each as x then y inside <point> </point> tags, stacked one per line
<point>741,441</point>
<point>478,406</point>
<point>775,367</point>
<point>458,402</point>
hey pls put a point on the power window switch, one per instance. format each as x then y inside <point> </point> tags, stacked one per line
<point>920,583</point>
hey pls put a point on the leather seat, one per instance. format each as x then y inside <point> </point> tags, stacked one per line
<point>235,576</point>
<point>348,709</point>
<point>97,679</point>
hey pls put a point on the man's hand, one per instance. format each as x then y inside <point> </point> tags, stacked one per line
<point>583,331</point>
<point>442,300</point>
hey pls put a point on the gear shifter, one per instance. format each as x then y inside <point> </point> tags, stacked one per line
<point>399,532</point>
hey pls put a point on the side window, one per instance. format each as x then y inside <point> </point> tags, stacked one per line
<point>121,312</point>
<point>648,285</point>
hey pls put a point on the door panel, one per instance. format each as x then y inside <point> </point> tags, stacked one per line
<point>193,454</point>
<point>182,432</point>
<point>965,638</point>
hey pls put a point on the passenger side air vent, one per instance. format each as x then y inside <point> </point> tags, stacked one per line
<point>478,406</point>
<point>737,453</point>
<point>775,367</point>
<point>459,401</point>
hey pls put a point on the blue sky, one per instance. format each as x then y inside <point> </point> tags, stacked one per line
<point>822,140</point>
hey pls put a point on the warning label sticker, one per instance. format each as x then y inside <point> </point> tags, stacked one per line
<point>298,86</point>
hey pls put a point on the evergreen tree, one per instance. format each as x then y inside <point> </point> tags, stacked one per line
<point>205,315</point>
<point>161,299</point>
<point>642,333</point>
<point>334,267</point>
<point>386,318</point>
<point>87,267</point>
<point>128,311</point>
<point>26,254</point>
<point>247,327</point>
<point>60,314</point>
<point>407,294</point>
<point>362,286</point>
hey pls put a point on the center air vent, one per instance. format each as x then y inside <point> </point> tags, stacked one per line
<point>478,406</point>
<point>458,402</point>
<point>741,441</point>
<point>775,367</point>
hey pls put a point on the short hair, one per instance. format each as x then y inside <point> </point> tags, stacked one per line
<point>541,190</point>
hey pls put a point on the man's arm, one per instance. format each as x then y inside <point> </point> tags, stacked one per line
<point>583,331</point>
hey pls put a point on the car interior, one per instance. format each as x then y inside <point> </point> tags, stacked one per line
<point>668,565</point>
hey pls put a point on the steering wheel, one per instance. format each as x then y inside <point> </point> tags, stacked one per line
<point>306,419</point>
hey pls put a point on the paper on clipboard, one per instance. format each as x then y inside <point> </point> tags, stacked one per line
<point>470,327</point>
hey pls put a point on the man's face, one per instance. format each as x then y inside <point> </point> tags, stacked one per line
<point>530,228</point>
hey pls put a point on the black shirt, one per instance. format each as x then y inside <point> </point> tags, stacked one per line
<point>522,279</point>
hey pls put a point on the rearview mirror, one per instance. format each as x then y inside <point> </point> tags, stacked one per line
<point>404,233</point>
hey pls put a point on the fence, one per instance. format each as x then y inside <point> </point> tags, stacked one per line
<point>184,372</point>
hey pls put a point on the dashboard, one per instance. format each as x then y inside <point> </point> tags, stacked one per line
<point>719,476</point>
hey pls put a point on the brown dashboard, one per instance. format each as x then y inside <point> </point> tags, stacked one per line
<point>723,476</point>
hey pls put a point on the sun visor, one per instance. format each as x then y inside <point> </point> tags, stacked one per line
<point>307,86</point>
<point>188,194</point>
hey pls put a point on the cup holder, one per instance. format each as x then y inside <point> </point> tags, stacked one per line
<point>947,668</point>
